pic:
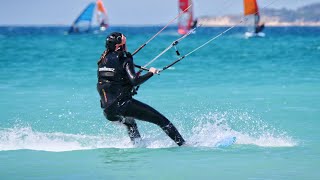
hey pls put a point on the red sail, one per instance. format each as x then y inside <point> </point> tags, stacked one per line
<point>186,19</point>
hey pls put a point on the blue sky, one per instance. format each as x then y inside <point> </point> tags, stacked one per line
<point>121,12</point>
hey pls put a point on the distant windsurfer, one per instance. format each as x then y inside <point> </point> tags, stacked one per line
<point>103,26</point>
<point>74,29</point>
<point>116,80</point>
<point>194,24</point>
<point>258,26</point>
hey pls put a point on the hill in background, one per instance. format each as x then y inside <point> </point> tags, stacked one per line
<point>304,16</point>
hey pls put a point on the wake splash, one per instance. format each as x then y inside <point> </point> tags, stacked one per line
<point>209,134</point>
<point>247,130</point>
<point>207,131</point>
<point>26,138</point>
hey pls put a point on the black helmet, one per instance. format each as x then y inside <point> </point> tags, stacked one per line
<point>116,41</point>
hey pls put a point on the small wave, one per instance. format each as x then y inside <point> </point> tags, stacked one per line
<point>19,138</point>
<point>170,33</point>
<point>216,126</point>
<point>207,130</point>
<point>26,138</point>
<point>266,141</point>
<point>209,134</point>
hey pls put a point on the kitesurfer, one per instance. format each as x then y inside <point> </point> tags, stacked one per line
<point>116,81</point>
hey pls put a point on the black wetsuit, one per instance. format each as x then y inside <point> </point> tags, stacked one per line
<point>259,28</point>
<point>194,24</point>
<point>116,79</point>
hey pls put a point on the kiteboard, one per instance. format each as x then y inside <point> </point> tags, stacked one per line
<point>226,142</point>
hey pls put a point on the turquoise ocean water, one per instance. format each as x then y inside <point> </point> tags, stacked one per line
<point>264,91</point>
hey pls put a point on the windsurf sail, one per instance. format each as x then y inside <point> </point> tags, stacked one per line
<point>185,21</point>
<point>251,9</point>
<point>102,16</point>
<point>83,21</point>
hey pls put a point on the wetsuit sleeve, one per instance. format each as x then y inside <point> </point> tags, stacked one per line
<point>132,76</point>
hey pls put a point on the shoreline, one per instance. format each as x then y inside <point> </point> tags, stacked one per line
<point>270,22</point>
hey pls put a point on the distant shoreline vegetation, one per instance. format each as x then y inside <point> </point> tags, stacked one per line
<point>304,16</point>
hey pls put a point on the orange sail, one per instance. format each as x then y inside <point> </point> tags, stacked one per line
<point>102,15</point>
<point>100,6</point>
<point>250,7</point>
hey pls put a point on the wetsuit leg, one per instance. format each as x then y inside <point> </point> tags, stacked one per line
<point>129,122</point>
<point>139,110</point>
<point>132,128</point>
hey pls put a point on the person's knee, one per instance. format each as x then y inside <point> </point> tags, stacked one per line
<point>129,121</point>
<point>109,116</point>
<point>161,121</point>
<point>167,126</point>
